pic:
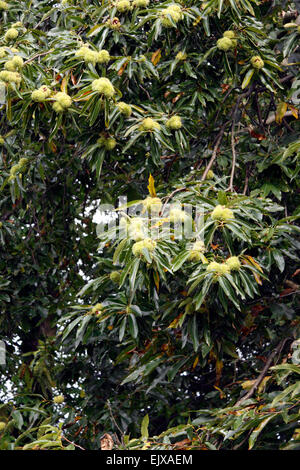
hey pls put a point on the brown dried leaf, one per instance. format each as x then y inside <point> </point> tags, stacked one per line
<point>122,68</point>
<point>257,136</point>
<point>64,85</point>
<point>296,273</point>
<point>73,79</point>
<point>177,97</point>
<point>182,444</point>
<point>106,443</point>
<point>224,87</point>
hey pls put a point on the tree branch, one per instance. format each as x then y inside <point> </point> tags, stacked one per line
<point>263,373</point>
<point>37,55</point>
<point>215,150</point>
<point>170,197</point>
<point>233,157</point>
<point>73,443</point>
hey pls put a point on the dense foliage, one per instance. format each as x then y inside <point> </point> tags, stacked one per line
<point>118,327</point>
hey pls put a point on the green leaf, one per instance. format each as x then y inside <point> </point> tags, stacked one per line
<point>179,260</point>
<point>220,6</point>
<point>133,327</point>
<point>81,330</point>
<point>199,298</point>
<point>193,332</point>
<point>222,198</point>
<point>122,328</point>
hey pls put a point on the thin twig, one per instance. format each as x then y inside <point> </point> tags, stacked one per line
<point>215,150</point>
<point>233,157</point>
<point>243,441</point>
<point>170,197</point>
<point>73,443</point>
<point>246,181</point>
<point>223,101</point>
<point>147,93</point>
<point>219,137</point>
<point>258,111</point>
<point>114,421</point>
<point>286,78</point>
<point>263,373</point>
<point>38,55</point>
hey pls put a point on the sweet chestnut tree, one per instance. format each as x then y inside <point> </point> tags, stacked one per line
<point>149,207</point>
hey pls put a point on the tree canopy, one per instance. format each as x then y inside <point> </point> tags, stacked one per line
<point>149,207</point>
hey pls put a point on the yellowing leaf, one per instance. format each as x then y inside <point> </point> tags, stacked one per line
<point>53,146</point>
<point>222,394</point>
<point>294,111</point>
<point>144,427</point>
<point>156,56</point>
<point>280,112</point>
<point>195,362</point>
<point>94,30</point>
<point>257,278</point>
<point>255,263</point>
<point>197,20</point>
<point>156,280</point>
<point>160,222</point>
<point>219,367</point>
<point>263,384</point>
<point>175,322</point>
<point>146,446</point>
<point>247,78</point>
<point>203,258</point>
<point>251,261</point>
<point>151,186</point>
<point>83,97</point>
<point>8,109</point>
<point>257,431</point>
<point>247,384</point>
<point>64,84</point>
